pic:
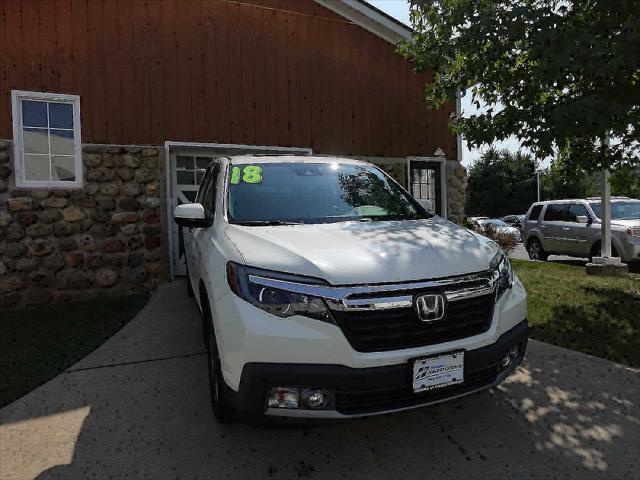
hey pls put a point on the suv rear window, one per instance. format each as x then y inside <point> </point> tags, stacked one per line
<point>535,213</point>
<point>556,212</point>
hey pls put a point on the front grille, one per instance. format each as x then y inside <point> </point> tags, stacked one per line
<point>398,328</point>
<point>368,401</point>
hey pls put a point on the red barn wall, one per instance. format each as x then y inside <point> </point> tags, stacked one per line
<point>267,72</point>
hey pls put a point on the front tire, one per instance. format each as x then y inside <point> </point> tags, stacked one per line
<point>535,250</point>
<point>189,286</point>
<point>222,408</point>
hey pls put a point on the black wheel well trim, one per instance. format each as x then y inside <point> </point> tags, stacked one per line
<point>598,242</point>
<point>531,238</point>
<point>203,294</point>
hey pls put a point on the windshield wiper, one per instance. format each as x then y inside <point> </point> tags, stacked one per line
<point>384,218</point>
<point>268,223</point>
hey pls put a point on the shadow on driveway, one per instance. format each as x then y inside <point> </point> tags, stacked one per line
<point>139,408</point>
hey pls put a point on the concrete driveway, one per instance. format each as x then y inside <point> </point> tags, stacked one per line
<point>138,407</point>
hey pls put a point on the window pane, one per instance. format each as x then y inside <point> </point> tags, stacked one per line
<point>60,115</point>
<point>36,140</point>
<point>556,212</point>
<point>535,213</point>
<point>184,163</point>
<point>424,192</point>
<point>577,210</point>
<point>34,114</point>
<point>62,168</point>
<point>202,162</point>
<point>62,142</point>
<point>36,167</point>
<point>185,177</point>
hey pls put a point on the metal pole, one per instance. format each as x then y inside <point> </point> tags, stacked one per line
<point>538,178</point>
<point>606,214</point>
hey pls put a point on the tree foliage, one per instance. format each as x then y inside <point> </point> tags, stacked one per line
<point>501,183</point>
<point>560,75</point>
<point>564,181</point>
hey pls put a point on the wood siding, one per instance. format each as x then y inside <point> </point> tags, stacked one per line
<point>268,72</point>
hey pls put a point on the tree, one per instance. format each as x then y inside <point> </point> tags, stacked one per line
<point>563,181</point>
<point>501,183</point>
<point>563,76</point>
<point>560,182</point>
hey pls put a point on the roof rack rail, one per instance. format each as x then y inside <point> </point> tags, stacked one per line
<point>613,197</point>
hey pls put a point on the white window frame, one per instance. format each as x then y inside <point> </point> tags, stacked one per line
<point>18,142</point>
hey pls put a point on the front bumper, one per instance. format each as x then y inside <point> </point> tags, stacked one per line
<point>362,392</point>
<point>629,251</point>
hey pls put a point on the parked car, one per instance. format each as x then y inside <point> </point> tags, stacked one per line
<point>573,227</point>
<point>516,221</point>
<point>328,292</point>
<point>500,227</point>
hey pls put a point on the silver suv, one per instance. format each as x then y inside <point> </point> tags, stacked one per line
<point>572,227</point>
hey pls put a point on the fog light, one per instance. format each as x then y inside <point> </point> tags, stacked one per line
<point>510,356</point>
<point>283,397</point>
<point>514,352</point>
<point>506,360</point>
<point>315,398</point>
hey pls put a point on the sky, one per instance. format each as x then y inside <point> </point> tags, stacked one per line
<point>399,9</point>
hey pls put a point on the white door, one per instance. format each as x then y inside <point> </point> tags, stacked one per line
<point>188,163</point>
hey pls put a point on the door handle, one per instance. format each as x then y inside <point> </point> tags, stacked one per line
<point>566,228</point>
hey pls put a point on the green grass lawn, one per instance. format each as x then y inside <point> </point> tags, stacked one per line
<point>595,315</point>
<point>38,343</point>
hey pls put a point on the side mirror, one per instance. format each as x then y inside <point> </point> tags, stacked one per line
<point>191,215</point>
<point>583,219</point>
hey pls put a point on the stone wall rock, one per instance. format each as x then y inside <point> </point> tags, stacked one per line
<point>456,191</point>
<point>57,245</point>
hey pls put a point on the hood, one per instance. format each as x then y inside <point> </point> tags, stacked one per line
<point>507,230</point>
<point>365,252</point>
<point>634,222</point>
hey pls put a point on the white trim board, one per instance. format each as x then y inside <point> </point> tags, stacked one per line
<point>443,179</point>
<point>369,18</point>
<point>18,139</point>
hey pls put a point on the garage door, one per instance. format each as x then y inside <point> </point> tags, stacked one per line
<point>188,163</point>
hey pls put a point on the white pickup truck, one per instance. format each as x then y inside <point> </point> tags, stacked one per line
<point>328,292</point>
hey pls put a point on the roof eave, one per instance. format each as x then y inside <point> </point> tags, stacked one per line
<point>370,18</point>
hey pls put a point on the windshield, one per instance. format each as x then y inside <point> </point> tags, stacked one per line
<point>619,210</point>
<point>315,193</point>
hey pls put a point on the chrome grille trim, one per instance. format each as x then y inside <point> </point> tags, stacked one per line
<point>341,297</point>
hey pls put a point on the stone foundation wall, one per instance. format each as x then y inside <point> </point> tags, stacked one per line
<point>456,191</point>
<point>58,245</point>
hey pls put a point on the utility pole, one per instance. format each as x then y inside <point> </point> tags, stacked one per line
<point>538,181</point>
<point>606,214</point>
<point>605,265</point>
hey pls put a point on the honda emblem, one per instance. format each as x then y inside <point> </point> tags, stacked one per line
<point>430,308</point>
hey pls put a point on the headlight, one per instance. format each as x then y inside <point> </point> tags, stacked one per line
<point>503,272</point>
<point>275,301</point>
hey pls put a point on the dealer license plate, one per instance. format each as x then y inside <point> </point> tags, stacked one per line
<point>437,372</point>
